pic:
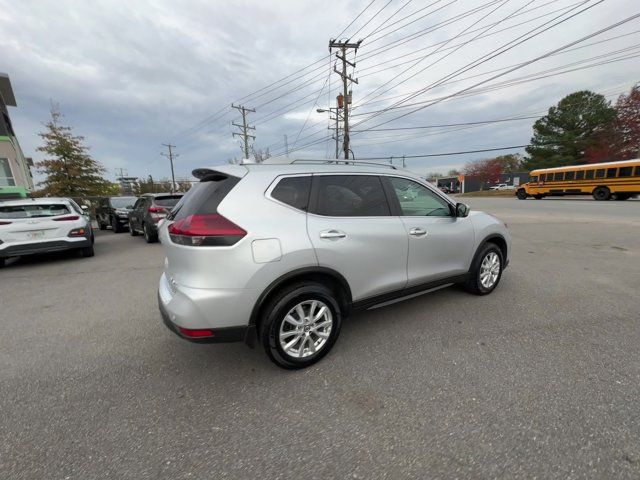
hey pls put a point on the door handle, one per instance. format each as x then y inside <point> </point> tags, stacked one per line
<point>417,232</point>
<point>332,234</point>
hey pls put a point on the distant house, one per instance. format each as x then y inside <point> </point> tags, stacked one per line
<point>14,167</point>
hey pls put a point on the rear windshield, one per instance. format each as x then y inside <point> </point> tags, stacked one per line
<point>168,201</point>
<point>34,210</point>
<point>123,202</point>
<point>204,197</point>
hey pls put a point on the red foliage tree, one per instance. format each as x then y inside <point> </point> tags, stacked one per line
<point>628,124</point>
<point>487,170</point>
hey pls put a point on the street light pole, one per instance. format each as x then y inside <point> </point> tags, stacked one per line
<point>337,127</point>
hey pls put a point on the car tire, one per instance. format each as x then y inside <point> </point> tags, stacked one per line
<point>115,225</point>
<point>602,193</point>
<point>312,339</point>
<point>87,252</point>
<point>3,262</point>
<point>149,237</point>
<point>521,194</point>
<point>132,231</point>
<point>485,274</point>
<point>102,226</point>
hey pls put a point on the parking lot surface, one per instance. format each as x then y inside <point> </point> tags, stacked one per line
<point>539,379</point>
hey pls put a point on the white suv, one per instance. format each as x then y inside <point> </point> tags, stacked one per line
<point>282,253</point>
<point>43,225</point>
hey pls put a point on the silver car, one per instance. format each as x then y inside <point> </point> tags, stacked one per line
<point>281,254</point>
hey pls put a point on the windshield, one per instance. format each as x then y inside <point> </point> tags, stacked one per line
<point>33,210</point>
<point>167,201</point>
<point>123,202</point>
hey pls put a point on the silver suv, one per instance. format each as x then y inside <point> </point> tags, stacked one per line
<point>281,254</point>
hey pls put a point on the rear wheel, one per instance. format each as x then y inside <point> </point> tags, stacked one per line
<point>3,262</point>
<point>486,270</point>
<point>149,236</point>
<point>521,194</point>
<point>300,325</point>
<point>87,252</point>
<point>602,193</point>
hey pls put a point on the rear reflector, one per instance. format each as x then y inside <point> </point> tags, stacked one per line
<point>201,333</point>
<point>205,230</point>
<point>68,218</point>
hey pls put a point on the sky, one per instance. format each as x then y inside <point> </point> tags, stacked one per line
<point>130,76</point>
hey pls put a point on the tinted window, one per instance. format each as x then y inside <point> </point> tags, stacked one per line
<point>569,175</point>
<point>589,174</point>
<point>558,176</point>
<point>139,203</point>
<point>34,210</point>
<point>611,172</point>
<point>543,177</point>
<point>580,175</point>
<point>600,173</point>
<point>625,172</point>
<point>417,200</point>
<point>293,191</point>
<point>204,196</point>
<point>638,171</point>
<point>533,179</point>
<point>168,201</point>
<point>351,196</point>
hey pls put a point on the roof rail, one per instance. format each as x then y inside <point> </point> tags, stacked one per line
<point>344,162</point>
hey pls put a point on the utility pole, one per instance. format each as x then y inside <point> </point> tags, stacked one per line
<point>404,164</point>
<point>170,155</point>
<point>343,47</point>
<point>286,146</point>
<point>122,173</point>
<point>244,127</point>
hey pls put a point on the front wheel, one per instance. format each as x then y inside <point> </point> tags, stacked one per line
<point>132,230</point>
<point>300,325</point>
<point>87,252</point>
<point>149,236</point>
<point>521,194</point>
<point>602,193</point>
<point>115,225</point>
<point>486,270</point>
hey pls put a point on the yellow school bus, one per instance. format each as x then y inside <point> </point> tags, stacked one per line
<point>602,180</point>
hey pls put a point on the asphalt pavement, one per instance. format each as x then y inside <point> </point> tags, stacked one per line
<point>540,379</point>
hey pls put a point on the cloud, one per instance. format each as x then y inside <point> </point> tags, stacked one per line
<point>132,76</point>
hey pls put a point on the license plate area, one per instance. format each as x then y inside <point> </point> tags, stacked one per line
<point>35,235</point>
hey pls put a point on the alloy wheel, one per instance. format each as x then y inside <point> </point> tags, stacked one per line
<point>489,270</point>
<point>306,329</point>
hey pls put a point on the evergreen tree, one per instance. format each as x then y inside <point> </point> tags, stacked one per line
<point>570,129</point>
<point>70,171</point>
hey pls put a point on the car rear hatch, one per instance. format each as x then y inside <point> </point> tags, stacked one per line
<point>196,237</point>
<point>35,222</point>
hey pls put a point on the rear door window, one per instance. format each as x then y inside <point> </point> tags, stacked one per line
<point>293,191</point>
<point>350,196</point>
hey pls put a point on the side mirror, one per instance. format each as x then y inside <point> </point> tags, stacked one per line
<point>85,208</point>
<point>462,210</point>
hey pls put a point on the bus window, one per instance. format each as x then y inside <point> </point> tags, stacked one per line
<point>625,172</point>
<point>589,175</point>
<point>543,177</point>
<point>611,172</point>
<point>533,179</point>
<point>557,177</point>
<point>569,175</point>
<point>638,171</point>
<point>580,175</point>
<point>600,173</point>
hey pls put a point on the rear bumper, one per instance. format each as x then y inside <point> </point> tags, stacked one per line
<point>31,248</point>
<point>225,312</point>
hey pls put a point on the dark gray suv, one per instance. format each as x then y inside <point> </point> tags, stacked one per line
<point>148,211</point>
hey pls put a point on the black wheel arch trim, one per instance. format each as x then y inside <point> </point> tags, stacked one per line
<point>487,239</point>
<point>299,273</point>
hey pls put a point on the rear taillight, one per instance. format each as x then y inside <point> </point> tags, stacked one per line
<point>77,232</point>
<point>156,210</point>
<point>2,222</point>
<point>205,230</point>
<point>68,218</point>
<point>198,333</point>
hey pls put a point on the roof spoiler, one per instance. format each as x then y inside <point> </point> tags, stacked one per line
<point>222,171</point>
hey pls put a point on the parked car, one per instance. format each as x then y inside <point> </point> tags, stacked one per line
<point>43,225</point>
<point>281,254</point>
<point>114,212</point>
<point>502,186</point>
<point>147,212</point>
